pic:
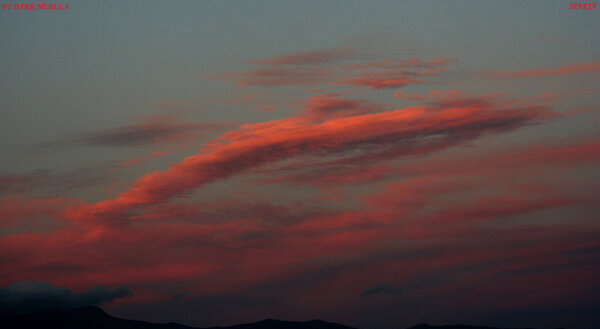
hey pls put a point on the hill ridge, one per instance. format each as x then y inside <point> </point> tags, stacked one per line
<point>94,317</point>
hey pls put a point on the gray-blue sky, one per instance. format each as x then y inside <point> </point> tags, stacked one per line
<point>167,147</point>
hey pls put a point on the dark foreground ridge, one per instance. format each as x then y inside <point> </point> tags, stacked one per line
<point>456,326</point>
<point>91,317</point>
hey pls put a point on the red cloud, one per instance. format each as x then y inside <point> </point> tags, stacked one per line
<point>378,136</point>
<point>413,227</point>
<point>389,77</point>
<point>444,226</point>
<point>308,69</point>
<point>381,80</point>
<point>394,73</point>
<point>14,210</point>
<point>333,106</point>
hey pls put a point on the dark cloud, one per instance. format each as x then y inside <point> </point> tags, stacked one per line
<point>382,289</point>
<point>150,132</point>
<point>18,183</point>
<point>31,296</point>
<point>53,180</point>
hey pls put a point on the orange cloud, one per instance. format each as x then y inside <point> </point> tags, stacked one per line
<point>381,135</point>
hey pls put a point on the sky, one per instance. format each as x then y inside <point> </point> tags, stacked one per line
<point>373,163</point>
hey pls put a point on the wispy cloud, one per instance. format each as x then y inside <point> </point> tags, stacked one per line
<point>152,130</point>
<point>54,180</point>
<point>282,76</point>
<point>345,193</point>
<point>317,57</point>
<point>365,137</point>
<point>382,80</point>
<point>569,69</point>
<point>399,63</point>
<point>325,67</point>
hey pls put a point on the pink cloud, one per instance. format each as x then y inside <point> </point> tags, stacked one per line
<point>433,224</point>
<point>379,135</point>
<point>381,80</point>
<point>394,73</point>
<point>14,210</point>
<point>333,106</point>
<point>308,68</point>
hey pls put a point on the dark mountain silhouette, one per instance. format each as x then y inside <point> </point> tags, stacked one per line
<point>456,326</point>
<point>278,324</point>
<point>91,317</point>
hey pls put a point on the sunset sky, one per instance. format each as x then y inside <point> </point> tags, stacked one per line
<point>373,163</point>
